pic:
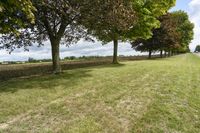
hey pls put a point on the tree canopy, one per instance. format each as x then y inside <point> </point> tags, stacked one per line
<point>14,14</point>
<point>175,34</point>
<point>122,20</point>
<point>197,49</point>
<point>66,21</point>
<point>185,28</point>
<point>55,21</point>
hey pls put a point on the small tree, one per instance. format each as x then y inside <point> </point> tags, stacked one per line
<point>197,49</point>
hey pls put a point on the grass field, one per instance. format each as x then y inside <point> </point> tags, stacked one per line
<point>151,96</point>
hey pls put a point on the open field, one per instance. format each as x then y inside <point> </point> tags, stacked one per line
<point>32,69</point>
<point>146,96</point>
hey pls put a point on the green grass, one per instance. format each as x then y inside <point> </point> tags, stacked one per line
<point>151,96</point>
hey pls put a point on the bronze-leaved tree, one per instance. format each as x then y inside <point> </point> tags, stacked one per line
<point>164,38</point>
<point>174,35</point>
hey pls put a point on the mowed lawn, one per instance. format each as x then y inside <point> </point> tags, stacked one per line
<point>151,96</point>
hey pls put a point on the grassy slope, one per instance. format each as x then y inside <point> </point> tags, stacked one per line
<point>141,96</point>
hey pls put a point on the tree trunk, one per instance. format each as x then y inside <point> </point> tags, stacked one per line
<point>165,54</point>
<point>169,53</point>
<point>55,45</point>
<point>150,52</point>
<point>161,53</point>
<point>172,53</point>
<point>115,60</point>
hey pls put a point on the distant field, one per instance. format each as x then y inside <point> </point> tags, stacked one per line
<point>149,96</point>
<point>29,69</point>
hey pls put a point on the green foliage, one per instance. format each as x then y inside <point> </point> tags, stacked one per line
<point>15,14</point>
<point>108,20</point>
<point>62,21</point>
<point>197,49</point>
<point>56,21</point>
<point>185,28</point>
<point>132,21</point>
<point>148,12</point>
<point>123,20</point>
<point>175,34</point>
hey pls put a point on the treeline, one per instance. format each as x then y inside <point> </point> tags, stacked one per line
<point>146,24</point>
<point>85,58</point>
<point>69,58</point>
<point>173,36</point>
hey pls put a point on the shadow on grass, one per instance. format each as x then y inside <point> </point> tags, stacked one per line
<point>43,69</point>
<point>68,78</point>
<point>112,65</point>
<point>49,81</point>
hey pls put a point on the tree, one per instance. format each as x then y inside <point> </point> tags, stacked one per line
<point>14,14</point>
<point>197,49</point>
<point>143,46</point>
<point>109,20</point>
<point>122,20</point>
<point>175,34</point>
<point>55,20</point>
<point>164,38</point>
<point>185,28</point>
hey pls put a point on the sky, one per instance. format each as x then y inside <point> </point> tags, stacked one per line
<point>82,48</point>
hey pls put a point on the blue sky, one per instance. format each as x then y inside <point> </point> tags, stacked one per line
<point>192,7</point>
<point>182,5</point>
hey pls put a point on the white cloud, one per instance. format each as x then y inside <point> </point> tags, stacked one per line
<point>82,48</point>
<point>194,13</point>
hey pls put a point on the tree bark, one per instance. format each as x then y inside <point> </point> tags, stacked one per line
<point>55,45</point>
<point>172,53</point>
<point>115,51</point>
<point>161,53</point>
<point>169,53</point>
<point>165,54</point>
<point>150,52</point>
